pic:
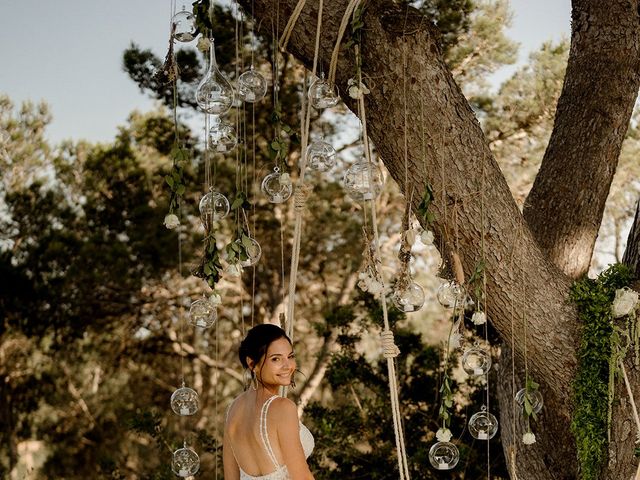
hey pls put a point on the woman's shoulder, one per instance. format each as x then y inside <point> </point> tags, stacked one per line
<point>282,408</point>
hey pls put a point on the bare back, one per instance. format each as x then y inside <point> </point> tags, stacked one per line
<point>244,433</point>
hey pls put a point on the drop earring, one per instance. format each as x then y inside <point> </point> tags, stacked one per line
<point>254,381</point>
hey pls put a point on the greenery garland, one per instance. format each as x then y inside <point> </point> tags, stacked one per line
<point>592,387</point>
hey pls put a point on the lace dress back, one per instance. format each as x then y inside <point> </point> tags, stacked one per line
<point>280,472</point>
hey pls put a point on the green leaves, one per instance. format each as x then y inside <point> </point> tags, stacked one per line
<point>175,179</point>
<point>423,208</point>
<point>593,385</point>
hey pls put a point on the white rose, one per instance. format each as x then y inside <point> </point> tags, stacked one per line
<point>203,44</point>
<point>455,340</point>
<point>443,435</point>
<point>285,179</point>
<point>375,287</point>
<point>625,302</point>
<point>215,299</point>
<point>171,221</point>
<point>529,438</point>
<point>234,270</point>
<point>426,237</point>
<point>355,92</point>
<point>410,235</point>
<point>479,318</point>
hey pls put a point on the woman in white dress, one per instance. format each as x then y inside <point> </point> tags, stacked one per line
<point>263,438</point>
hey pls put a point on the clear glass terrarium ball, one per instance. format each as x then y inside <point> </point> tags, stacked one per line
<point>444,455</point>
<point>202,313</point>
<point>451,295</point>
<point>213,207</point>
<point>322,94</point>
<point>185,462</point>
<point>184,26</point>
<point>363,181</point>
<point>275,189</point>
<point>410,298</point>
<point>321,156</point>
<point>476,361</point>
<point>483,425</point>
<point>254,252</point>
<point>184,401</point>
<point>252,86</point>
<point>535,398</point>
<point>222,136</point>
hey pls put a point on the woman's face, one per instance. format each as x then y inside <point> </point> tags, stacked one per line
<point>278,365</point>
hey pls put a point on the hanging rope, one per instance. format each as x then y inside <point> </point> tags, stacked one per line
<point>390,350</point>
<point>302,189</point>
<point>286,33</point>
<point>351,7</point>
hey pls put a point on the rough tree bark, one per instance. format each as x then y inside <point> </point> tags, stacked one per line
<point>564,209</point>
<point>404,68</point>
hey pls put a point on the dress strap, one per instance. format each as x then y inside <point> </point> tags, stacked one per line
<point>263,430</point>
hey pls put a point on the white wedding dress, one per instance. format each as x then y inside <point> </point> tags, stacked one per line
<point>280,472</point>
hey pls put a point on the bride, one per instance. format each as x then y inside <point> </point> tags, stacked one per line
<point>263,438</point>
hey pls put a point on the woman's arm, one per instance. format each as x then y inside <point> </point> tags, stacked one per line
<point>288,428</point>
<point>231,469</point>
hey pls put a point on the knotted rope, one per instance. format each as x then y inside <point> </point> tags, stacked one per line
<point>389,348</point>
<point>403,463</point>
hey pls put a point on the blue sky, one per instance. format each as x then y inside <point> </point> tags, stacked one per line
<point>69,53</point>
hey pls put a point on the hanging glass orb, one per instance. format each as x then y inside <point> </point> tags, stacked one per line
<point>451,295</point>
<point>184,26</point>
<point>214,94</point>
<point>254,252</point>
<point>322,94</point>
<point>252,86</point>
<point>535,398</point>
<point>184,401</point>
<point>202,313</point>
<point>275,189</point>
<point>410,298</point>
<point>321,156</point>
<point>444,455</point>
<point>185,462</point>
<point>214,206</point>
<point>483,425</point>
<point>363,181</point>
<point>222,136</point>
<point>476,361</point>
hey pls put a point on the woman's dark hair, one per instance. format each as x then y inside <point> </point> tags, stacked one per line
<point>257,341</point>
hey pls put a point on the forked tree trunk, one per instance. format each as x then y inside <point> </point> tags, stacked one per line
<point>404,69</point>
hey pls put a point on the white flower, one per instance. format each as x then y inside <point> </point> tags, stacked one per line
<point>285,179</point>
<point>375,287</point>
<point>426,237</point>
<point>215,299</point>
<point>529,438</point>
<point>234,270</point>
<point>203,44</point>
<point>479,318</point>
<point>455,340</point>
<point>171,221</point>
<point>625,302</point>
<point>443,435</point>
<point>356,90</point>
<point>410,235</point>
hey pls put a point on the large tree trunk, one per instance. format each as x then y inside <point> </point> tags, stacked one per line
<point>447,150</point>
<point>566,203</point>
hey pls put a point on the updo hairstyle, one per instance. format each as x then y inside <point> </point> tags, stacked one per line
<point>257,341</point>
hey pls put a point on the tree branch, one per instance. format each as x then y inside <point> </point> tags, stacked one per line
<point>565,206</point>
